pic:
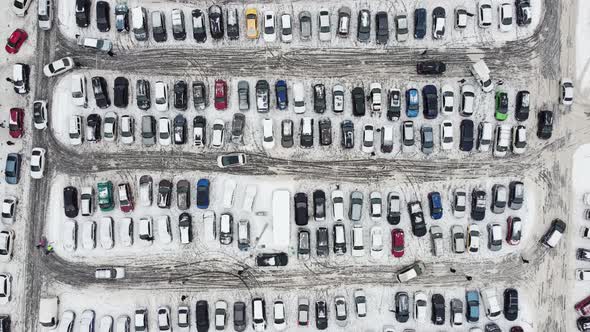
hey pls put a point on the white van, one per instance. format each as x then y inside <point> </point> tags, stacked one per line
<point>75,131</point>
<point>139,23</point>
<point>48,311</point>
<point>44,14</point>
<point>358,248</point>
<point>298,98</point>
<point>502,141</point>
<point>482,74</point>
<point>484,136</point>
<point>107,240</point>
<point>79,93</point>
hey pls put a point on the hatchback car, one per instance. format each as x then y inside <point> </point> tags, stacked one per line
<point>15,41</point>
<point>15,122</point>
<point>220,95</point>
<point>397,242</point>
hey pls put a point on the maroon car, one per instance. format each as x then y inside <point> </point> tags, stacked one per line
<point>15,124</point>
<point>397,242</point>
<point>220,95</point>
<point>125,197</point>
<point>16,40</point>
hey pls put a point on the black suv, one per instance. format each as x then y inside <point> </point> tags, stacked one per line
<point>101,96</point>
<point>202,316</point>
<point>431,68</point>
<point>358,101</point>
<point>180,95</point>
<point>301,213</point>
<point>523,102</point>
<point>523,12</point>
<point>164,194</point>
<point>142,95</point>
<point>121,92</point>
<point>322,237</point>
<point>199,31</point>
<point>103,11</point>
<point>430,97</point>
<point>233,26</point>
<point>93,122</point>
<point>82,13</point>
<point>319,98</point>
<point>179,129</point>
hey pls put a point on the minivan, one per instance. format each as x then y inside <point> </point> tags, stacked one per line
<point>159,26</point>
<point>387,139</point>
<point>139,23</point>
<point>44,14</point>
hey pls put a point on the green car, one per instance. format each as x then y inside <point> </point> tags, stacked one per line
<point>501,106</point>
<point>105,196</point>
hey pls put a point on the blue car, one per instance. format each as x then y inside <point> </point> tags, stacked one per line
<point>412,103</point>
<point>435,204</point>
<point>12,170</point>
<point>203,194</point>
<point>281,93</point>
<point>472,301</point>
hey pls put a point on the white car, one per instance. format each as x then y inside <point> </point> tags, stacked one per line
<point>229,186</point>
<point>58,66</point>
<point>420,307</point>
<point>485,136</point>
<point>146,230</point>
<point>220,315</point>
<point>164,131</point>
<point>491,304</point>
<point>105,324</point>
<point>447,106</point>
<point>461,16</point>
<point>87,321</point>
<point>376,241</point>
<point>376,203</point>
<point>79,93</point>
<point>286,28</point>
<point>583,274</point>
<point>401,24</point>
<point>6,245</point>
<point>9,209</point>
<point>268,141</point>
<point>446,135</point>
<point>75,130</point>
<point>126,231</point>
<point>5,288</point>
<point>37,163</point>
<point>269,30</point>
<point>161,96</point>
<point>338,205</point>
<point>88,234</point>
<point>338,98</point>
<point>519,139</point>
<point>467,99</point>
<point>280,322</point>
<point>567,92</point>
<point>66,323</point>
<point>110,126</point>
<point>368,145</point>
<point>324,26</point>
<point>70,235</point>
<point>298,98</point>
<point>230,160</point>
<point>164,229</point>
<point>40,114</point>
<point>505,17</point>
<point>107,236</point>
<point>20,7</point>
<point>127,128</point>
<point>485,13</point>
<point>360,302</point>
<point>459,203</point>
<point>218,133</point>
<point>358,247</point>
<point>164,323</point>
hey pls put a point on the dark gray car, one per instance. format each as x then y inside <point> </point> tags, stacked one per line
<point>240,320</point>
<point>243,95</point>
<point>142,88</point>
<point>237,128</point>
<point>347,134</point>
<point>325,131</point>
<point>402,307</point>
<point>287,133</point>
<point>364,26</point>
<point>427,139</point>
<point>322,246</point>
<point>183,194</point>
<point>148,130</point>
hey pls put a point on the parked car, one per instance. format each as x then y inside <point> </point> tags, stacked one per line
<point>347,128</point>
<point>438,309</point>
<point>431,68</point>
<point>410,272</point>
<point>12,168</point>
<point>478,204</point>
<point>505,17</point>
<point>417,219</point>
<point>324,26</point>
<point>358,101</point>
<point>82,12</point>
<point>436,237</point>
<point>430,100</point>
<point>427,139</point>
<point>382,28</point>
<point>397,242</point>
<point>9,209</point>
<point>356,206</point>
<point>306,134</point>
<point>472,304</point>
<point>364,26</point>
<point>59,66</point>
<point>523,103</point>
<point>343,28</point>
<point>545,124</point>
<point>20,78</point>
<point>485,13</point>
<point>103,22</point>
<point>368,145</point>
<point>419,23</point>
<point>216,24</point>
<point>286,28</point>
<point>321,315</point>
<point>494,237</point>
<point>516,195</point>
<point>15,41</point>
<point>251,23</point>
<point>491,304</point>
<point>511,304</point>
<point>230,160</point>
<point>473,238</point>
<point>15,122</point>
<point>514,230</point>
<point>458,239</point>
<point>438,22</point>
<point>272,259</point>
<point>524,12</point>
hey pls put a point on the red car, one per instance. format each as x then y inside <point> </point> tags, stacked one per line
<point>220,95</point>
<point>16,40</point>
<point>583,307</point>
<point>397,240</point>
<point>15,124</point>
<point>125,197</point>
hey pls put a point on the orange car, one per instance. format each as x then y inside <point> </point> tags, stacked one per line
<point>251,23</point>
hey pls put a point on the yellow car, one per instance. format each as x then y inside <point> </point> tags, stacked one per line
<point>251,23</point>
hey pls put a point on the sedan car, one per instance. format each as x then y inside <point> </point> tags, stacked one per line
<point>438,22</point>
<point>220,95</point>
<point>16,40</point>
<point>397,242</point>
<point>567,92</point>
<point>59,66</point>
<point>15,122</point>
<point>9,209</point>
<point>364,26</point>
<point>417,219</point>
<point>301,209</point>
<point>37,163</point>
<point>505,16</point>
<point>12,168</point>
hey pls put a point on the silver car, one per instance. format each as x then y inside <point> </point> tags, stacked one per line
<point>437,240</point>
<point>104,45</point>
<point>305,25</point>
<point>458,238</point>
<point>356,206</point>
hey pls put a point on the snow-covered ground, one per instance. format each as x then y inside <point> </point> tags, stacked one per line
<point>253,133</point>
<point>206,244</point>
<point>472,36</point>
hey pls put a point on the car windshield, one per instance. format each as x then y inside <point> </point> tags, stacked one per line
<point>20,5</point>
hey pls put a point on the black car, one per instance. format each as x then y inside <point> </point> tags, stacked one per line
<point>382,31</point>
<point>417,219</point>
<point>103,12</point>
<point>121,90</point>
<point>202,316</point>
<point>394,106</point>
<point>286,133</point>
<point>510,304</point>
<point>478,205</point>
<point>101,96</point>
<point>545,125</point>
<point>179,129</point>
<point>431,68</point>
<point>402,307</point>
<point>180,95</point>
<point>438,309</point>
<point>164,194</point>
<point>239,315</point>
<point>466,135</point>
<point>364,26</point>
<point>325,131</point>
<point>272,259</point>
<point>216,22</point>
<point>301,212</point>
<point>522,108</point>
<point>319,98</point>
<point>430,97</point>
<point>321,315</point>
<point>492,327</point>
<point>199,30</point>
<point>583,324</point>
<point>322,237</point>
<point>82,13</point>
<point>186,221</point>
<point>583,254</point>
<point>419,23</point>
<point>523,12</point>
<point>71,202</point>
<point>233,26</point>
<point>358,101</point>
<point>347,128</point>
<point>142,94</point>
<point>319,205</point>
<point>93,122</point>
